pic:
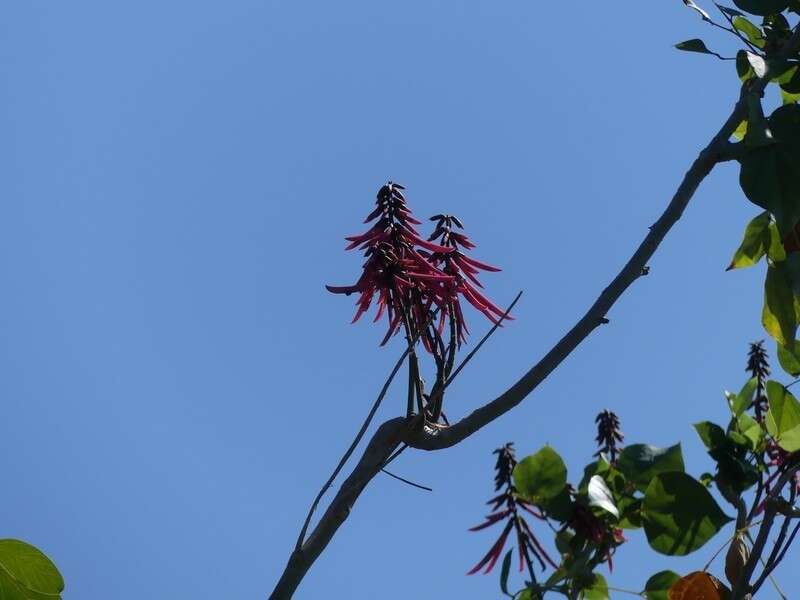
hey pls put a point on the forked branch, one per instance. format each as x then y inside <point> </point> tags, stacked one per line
<point>401,430</point>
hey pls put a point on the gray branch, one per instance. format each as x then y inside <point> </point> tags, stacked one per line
<point>389,435</point>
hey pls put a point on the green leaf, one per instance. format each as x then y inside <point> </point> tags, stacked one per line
<point>789,98</point>
<point>791,82</point>
<point>776,252</point>
<point>738,439</point>
<point>753,33</point>
<point>600,495</point>
<point>750,429</point>
<point>504,572</point>
<point>754,244</point>
<point>778,315</point>
<point>789,359</point>
<point>744,399</point>
<point>27,574</point>
<point>743,68</point>
<point>679,514</point>
<point>596,590</point>
<point>783,417</point>
<point>706,479</point>
<point>785,77</point>
<point>762,8</point>
<point>560,506</point>
<point>630,512</point>
<point>694,45</point>
<point>770,175</point>
<point>641,462</point>
<point>712,435</point>
<point>541,476</point>
<point>657,587</point>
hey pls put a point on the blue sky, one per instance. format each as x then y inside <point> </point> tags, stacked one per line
<point>177,179</point>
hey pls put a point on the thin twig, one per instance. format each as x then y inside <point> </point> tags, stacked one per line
<point>301,538</point>
<point>398,430</point>
<point>474,351</point>
<point>742,586</point>
<point>788,543</point>
<point>411,483</point>
<point>773,561</point>
<point>734,31</point>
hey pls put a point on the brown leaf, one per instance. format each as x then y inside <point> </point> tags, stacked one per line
<point>735,560</point>
<point>699,586</point>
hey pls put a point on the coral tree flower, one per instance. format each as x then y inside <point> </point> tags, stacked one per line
<point>505,507</point>
<point>405,282</point>
<point>410,275</point>
<point>464,271</point>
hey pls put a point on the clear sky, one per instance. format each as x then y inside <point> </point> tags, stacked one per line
<point>176,181</point>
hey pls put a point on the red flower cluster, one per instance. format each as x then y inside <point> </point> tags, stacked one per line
<point>463,269</point>
<point>506,506</point>
<point>410,276</point>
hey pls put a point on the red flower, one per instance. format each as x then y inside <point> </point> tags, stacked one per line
<point>411,276</point>
<point>464,271</point>
<point>406,283</point>
<point>506,506</point>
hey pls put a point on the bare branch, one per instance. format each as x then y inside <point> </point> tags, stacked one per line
<point>354,444</point>
<point>386,438</point>
<point>408,481</point>
<point>445,437</point>
<point>400,430</point>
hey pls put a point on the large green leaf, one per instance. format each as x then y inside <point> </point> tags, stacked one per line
<point>694,45</point>
<point>641,462</point>
<point>762,8</point>
<point>783,418</point>
<point>789,357</point>
<point>744,399</point>
<point>27,574</point>
<point>657,587</point>
<point>770,175</point>
<point>596,590</point>
<point>755,243</point>
<point>540,476</point>
<point>750,429</point>
<point>776,252</point>
<point>779,315</point>
<point>789,98</point>
<point>679,514</point>
<point>712,435</point>
<point>630,512</point>
<point>753,33</point>
<point>792,83</point>
<point>729,452</point>
<point>743,68</point>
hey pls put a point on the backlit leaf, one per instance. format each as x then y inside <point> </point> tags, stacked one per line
<point>679,514</point>
<point>540,476</point>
